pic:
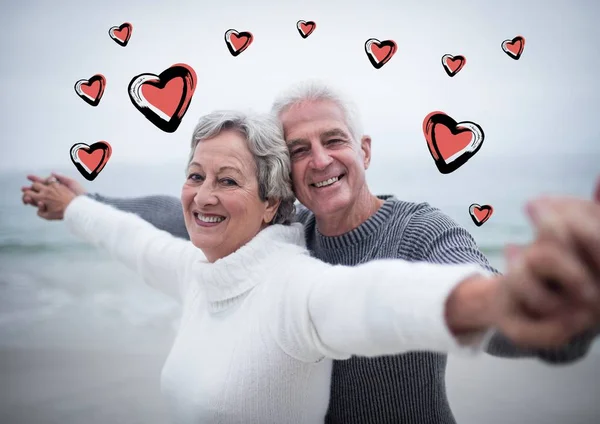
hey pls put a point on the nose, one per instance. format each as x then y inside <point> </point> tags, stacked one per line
<point>320,159</point>
<point>205,195</point>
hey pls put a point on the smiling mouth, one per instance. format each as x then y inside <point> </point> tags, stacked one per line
<point>328,182</point>
<point>205,220</point>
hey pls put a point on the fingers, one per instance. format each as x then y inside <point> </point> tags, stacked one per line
<point>547,333</point>
<point>63,179</point>
<point>532,296</point>
<point>38,187</point>
<point>565,273</point>
<point>575,225</point>
<point>36,179</point>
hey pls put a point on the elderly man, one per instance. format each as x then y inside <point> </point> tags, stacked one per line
<point>346,224</point>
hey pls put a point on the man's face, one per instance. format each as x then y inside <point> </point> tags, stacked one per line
<point>328,165</point>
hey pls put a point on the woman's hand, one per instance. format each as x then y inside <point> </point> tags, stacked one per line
<point>51,198</point>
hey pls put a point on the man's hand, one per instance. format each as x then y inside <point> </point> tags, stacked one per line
<point>51,198</point>
<point>551,292</point>
<point>70,183</point>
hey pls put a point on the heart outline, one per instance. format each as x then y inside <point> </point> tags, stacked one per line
<point>443,165</point>
<point>90,174</point>
<point>299,25</point>
<point>160,119</point>
<point>476,220</point>
<point>249,38</point>
<point>386,43</point>
<point>120,42</point>
<point>506,43</point>
<point>448,69</point>
<point>91,101</point>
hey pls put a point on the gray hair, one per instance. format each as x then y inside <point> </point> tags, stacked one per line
<point>315,90</point>
<point>264,136</point>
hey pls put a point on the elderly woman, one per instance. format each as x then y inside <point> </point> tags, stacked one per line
<point>261,319</point>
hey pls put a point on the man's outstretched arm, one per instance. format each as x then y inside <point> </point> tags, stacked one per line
<point>435,237</point>
<point>164,212</point>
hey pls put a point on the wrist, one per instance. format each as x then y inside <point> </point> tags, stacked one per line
<point>470,306</point>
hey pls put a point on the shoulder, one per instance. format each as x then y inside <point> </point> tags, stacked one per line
<point>425,226</point>
<point>303,214</point>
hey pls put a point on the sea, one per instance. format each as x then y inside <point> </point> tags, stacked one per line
<point>58,292</point>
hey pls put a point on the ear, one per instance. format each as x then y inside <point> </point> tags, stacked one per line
<point>365,146</point>
<point>271,210</point>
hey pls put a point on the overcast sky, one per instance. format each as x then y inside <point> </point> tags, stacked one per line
<point>545,102</point>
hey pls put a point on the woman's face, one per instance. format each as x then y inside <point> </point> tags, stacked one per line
<point>221,205</point>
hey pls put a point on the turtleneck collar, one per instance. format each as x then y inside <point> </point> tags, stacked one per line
<point>230,277</point>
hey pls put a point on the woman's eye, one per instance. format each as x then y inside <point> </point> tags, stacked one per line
<point>228,181</point>
<point>195,177</point>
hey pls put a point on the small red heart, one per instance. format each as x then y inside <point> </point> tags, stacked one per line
<point>451,144</point>
<point>380,52</point>
<point>480,214</point>
<point>306,28</point>
<point>453,64</point>
<point>164,99</point>
<point>121,34</point>
<point>91,90</point>
<point>237,42</point>
<point>90,160</point>
<point>514,48</point>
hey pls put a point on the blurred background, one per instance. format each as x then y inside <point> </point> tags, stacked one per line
<point>82,340</point>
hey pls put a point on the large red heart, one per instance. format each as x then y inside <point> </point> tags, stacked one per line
<point>451,144</point>
<point>306,28</point>
<point>91,90</point>
<point>380,52</point>
<point>164,99</point>
<point>90,160</point>
<point>480,214</point>
<point>514,48</point>
<point>453,64</point>
<point>121,34</point>
<point>237,42</point>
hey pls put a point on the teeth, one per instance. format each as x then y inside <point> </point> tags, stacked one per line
<point>326,183</point>
<point>209,218</point>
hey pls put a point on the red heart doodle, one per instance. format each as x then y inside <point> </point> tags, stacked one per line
<point>121,34</point>
<point>453,64</point>
<point>91,90</point>
<point>380,52</point>
<point>237,42</point>
<point>90,160</point>
<point>164,99</point>
<point>514,48</point>
<point>451,144</point>
<point>306,28</point>
<point>480,214</point>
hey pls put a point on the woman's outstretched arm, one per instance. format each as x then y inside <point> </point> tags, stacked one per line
<point>160,258</point>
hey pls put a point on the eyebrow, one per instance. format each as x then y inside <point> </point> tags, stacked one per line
<point>223,168</point>
<point>336,132</point>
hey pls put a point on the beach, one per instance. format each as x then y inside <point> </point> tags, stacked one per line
<point>89,387</point>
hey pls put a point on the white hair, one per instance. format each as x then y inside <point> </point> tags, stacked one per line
<point>264,136</point>
<point>315,90</point>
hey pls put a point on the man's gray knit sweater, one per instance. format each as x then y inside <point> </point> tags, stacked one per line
<point>408,388</point>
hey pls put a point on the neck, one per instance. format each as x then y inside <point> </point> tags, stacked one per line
<point>347,219</point>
